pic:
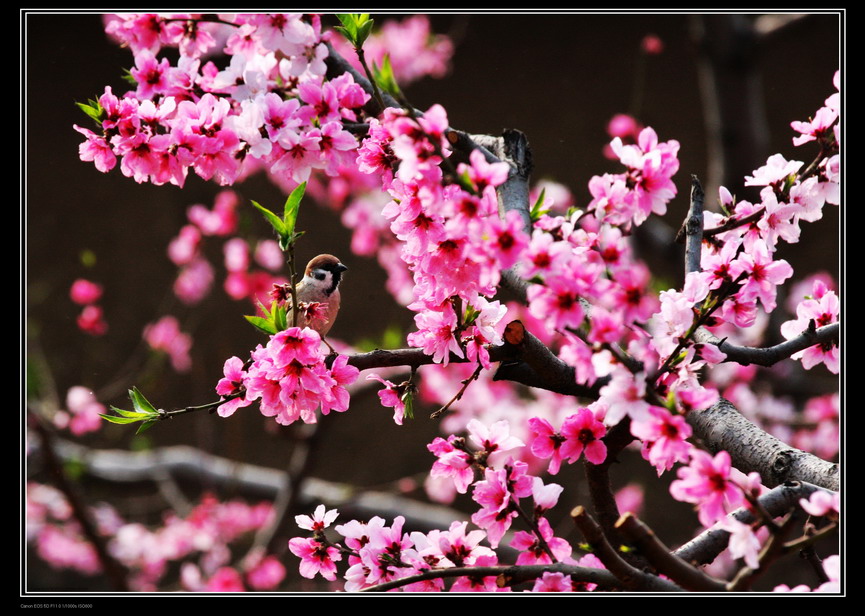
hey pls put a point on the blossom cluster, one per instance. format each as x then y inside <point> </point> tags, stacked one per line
<point>165,336</point>
<point>204,535</point>
<point>82,413</point>
<point>196,274</point>
<point>413,49</point>
<point>453,240</point>
<point>271,107</point>
<point>289,378</point>
<point>378,553</point>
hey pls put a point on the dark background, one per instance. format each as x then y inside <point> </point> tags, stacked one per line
<point>558,78</point>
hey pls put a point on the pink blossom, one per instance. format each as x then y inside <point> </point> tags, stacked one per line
<point>193,281</point>
<point>553,582</point>
<point>451,463</point>
<point>495,439</point>
<point>495,494</point>
<point>623,126</point>
<point>322,518</point>
<point>84,292</point>
<point>232,384</point>
<point>630,499</point>
<point>664,438</point>
<point>818,128</point>
<point>652,44</point>
<point>220,221</point>
<point>236,252</point>
<point>269,255</point>
<point>97,150</point>
<point>389,396</point>
<point>706,483</point>
<point>225,579</point>
<point>545,496</point>
<point>61,548</point>
<point>821,503</point>
<point>531,549</point>
<point>583,432</point>
<point>743,542</point>
<point>624,396</point>
<point>776,170</point>
<point>546,443</point>
<point>266,574</point>
<point>91,321</point>
<point>435,334</point>
<point>820,312</point>
<point>165,335</point>
<point>85,410</point>
<point>764,274</point>
<point>480,584</point>
<point>315,558</point>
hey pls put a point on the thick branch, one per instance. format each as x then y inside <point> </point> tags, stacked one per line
<point>769,356</point>
<point>552,373</point>
<point>721,426</point>
<point>692,228</point>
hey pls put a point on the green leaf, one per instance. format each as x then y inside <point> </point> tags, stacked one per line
<point>355,27</point>
<point>119,420</point>
<point>292,205</point>
<point>280,317</point>
<point>274,220</point>
<point>93,110</point>
<point>384,77</point>
<point>471,315</point>
<point>364,31</point>
<point>140,402</point>
<point>408,400</point>
<point>261,324</point>
<point>538,209</point>
<point>145,426</point>
<point>131,414</point>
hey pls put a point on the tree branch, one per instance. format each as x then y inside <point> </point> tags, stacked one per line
<point>721,426</point>
<point>769,356</point>
<point>691,231</point>
<point>188,463</point>
<point>705,547</point>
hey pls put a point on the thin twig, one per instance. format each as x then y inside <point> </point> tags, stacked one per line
<point>705,547</point>
<point>768,356</point>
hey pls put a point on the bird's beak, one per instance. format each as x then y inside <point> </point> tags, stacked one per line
<point>340,267</point>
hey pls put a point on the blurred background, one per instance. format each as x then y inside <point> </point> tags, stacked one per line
<point>559,78</point>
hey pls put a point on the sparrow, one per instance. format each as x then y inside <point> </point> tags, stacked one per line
<point>318,294</point>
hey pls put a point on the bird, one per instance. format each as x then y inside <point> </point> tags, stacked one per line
<point>318,294</point>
